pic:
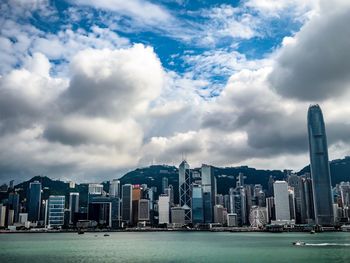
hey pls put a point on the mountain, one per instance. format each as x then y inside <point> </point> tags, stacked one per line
<point>152,176</point>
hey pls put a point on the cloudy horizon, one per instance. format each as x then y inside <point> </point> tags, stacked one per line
<point>92,89</point>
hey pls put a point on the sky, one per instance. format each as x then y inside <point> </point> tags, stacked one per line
<point>92,89</point>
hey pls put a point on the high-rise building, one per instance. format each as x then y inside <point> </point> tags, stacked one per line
<point>144,209</point>
<point>185,190</point>
<point>73,206</point>
<point>197,204</point>
<point>164,209</point>
<point>165,183</point>
<point>136,196</point>
<point>232,220</point>
<point>105,210</point>
<point>344,188</point>
<point>219,215</point>
<point>34,201</point>
<point>2,215</point>
<point>114,187</point>
<point>319,163</point>
<point>282,208</point>
<point>56,210</point>
<point>308,199</point>
<point>170,192</point>
<point>178,216</point>
<point>209,192</point>
<point>127,203</point>
<point>296,182</point>
<point>13,203</point>
<point>270,209</point>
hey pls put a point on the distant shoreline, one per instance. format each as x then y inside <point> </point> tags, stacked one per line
<point>155,230</point>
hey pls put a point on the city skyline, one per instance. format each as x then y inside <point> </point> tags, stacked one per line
<point>94,89</point>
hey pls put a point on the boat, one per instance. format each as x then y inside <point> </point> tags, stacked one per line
<point>106,235</point>
<point>80,231</point>
<point>345,228</point>
<point>312,232</point>
<point>299,243</point>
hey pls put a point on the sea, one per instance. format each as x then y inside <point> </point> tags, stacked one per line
<point>172,246</point>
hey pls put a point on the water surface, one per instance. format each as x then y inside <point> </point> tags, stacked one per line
<point>175,247</point>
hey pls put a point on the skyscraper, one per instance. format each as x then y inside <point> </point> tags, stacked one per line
<point>34,201</point>
<point>165,183</point>
<point>197,204</point>
<point>13,203</point>
<point>282,205</point>
<point>114,188</point>
<point>209,191</point>
<point>73,205</point>
<point>127,203</point>
<point>56,210</point>
<point>185,190</point>
<point>319,164</point>
<point>164,209</point>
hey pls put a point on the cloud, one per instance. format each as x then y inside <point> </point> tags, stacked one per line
<point>315,66</point>
<point>144,11</point>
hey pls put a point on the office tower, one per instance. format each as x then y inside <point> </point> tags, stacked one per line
<point>219,214</point>
<point>178,216</point>
<point>2,215</point>
<point>238,204</point>
<point>197,204</point>
<point>282,208</point>
<point>34,201</point>
<point>209,192</point>
<point>95,190</point>
<point>185,190</point>
<point>114,187</point>
<point>170,192</point>
<point>56,210</point>
<point>308,199</point>
<point>258,216</point>
<point>165,183</point>
<point>10,217</point>
<point>11,184</point>
<point>73,206</point>
<point>291,198</point>
<point>232,220</point>
<point>150,195</point>
<point>270,186</point>
<point>319,164</point>
<point>219,199</point>
<point>344,188</point>
<point>227,202</point>
<point>136,196</point>
<point>13,203</point>
<point>127,203</point>
<point>244,206</point>
<point>296,182</point>
<point>164,209</point>
<point>144,209</point>
<point>270,209</point>
<point>105,210</point>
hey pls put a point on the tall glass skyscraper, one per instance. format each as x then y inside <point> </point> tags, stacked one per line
<point>34,201</point>
<point>197,204</point>
<point>319,164</point>
<point>185,190</point>
<point>127,203</point>
<point>209,192</point>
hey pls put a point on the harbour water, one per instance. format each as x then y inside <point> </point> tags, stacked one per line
<point>175,247</point>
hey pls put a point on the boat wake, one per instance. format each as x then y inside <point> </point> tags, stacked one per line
<point>327,244</point>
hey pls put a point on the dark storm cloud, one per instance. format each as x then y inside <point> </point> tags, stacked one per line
<point>317,65</point>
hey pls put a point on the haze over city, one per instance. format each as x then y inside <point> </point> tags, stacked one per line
<point>92,89</point>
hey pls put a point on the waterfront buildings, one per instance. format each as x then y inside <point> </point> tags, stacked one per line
<point>114,188</point>
<point>127,203</point>
<point>55,211</point>
<point>185,190</point>
<point>144,210</point>
<point>13,204</point>
<point>209,191</point>
<point>164,209</point>
<point>282,205</point>
<point>34,203</point>
<point>165,183</point>
<point>197,204</point>
<point>73,206</point>
<point>319,163</point>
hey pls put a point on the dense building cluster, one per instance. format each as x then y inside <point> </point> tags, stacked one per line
<point>298,200</point>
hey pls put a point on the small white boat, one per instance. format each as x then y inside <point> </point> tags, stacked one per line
<point>299,243</point>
